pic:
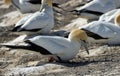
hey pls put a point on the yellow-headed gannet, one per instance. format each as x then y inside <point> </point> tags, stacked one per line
<point>96,8</point>
<point>59,48</point>
<point>102,32</point>
<point>26,6</point>
<point>42,21</point>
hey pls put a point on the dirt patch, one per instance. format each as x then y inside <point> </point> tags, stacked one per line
<point>103,60</point>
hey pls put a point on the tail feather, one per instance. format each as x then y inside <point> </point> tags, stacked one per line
<point>28,46</point>
<point>15,29</point>
<point>14,46</point>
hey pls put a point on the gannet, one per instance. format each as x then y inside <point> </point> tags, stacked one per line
<point>58,48</point>
<point>26,6</point>
<point>96,8</point>
<point>109,16</point>
<point>42,20</point>
<point>102,32</point>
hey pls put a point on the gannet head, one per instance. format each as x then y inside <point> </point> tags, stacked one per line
<point>117,20</point>
<point>47,2</point>
<point>7,2</point>
<point>80,36</point>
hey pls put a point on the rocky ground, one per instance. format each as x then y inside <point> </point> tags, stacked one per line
<point>103,60</point>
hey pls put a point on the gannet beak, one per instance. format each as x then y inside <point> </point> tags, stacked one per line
<point>84,44</point>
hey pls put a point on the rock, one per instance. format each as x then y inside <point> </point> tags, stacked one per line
<point>76,23</point>
<point>10,19</point>
<point>95,52</point>
<point>45,68</point>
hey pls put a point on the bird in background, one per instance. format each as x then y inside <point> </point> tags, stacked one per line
<point>27,6</point>
<point>109,16</point>
<point>41,21</point>
<point>103,32</point>
<point>95,8</point>
<point>55,47</point>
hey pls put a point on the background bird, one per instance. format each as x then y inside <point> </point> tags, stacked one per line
<point>27,6</point>
<point>59,48</point>
<point>96,8</point>
<point>109,16</point>
<point>42,20</point>
<point>102,32</point>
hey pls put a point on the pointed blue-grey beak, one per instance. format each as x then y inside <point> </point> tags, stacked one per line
<point>84,44</point>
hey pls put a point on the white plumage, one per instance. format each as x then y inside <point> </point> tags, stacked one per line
<point>42,20</point>
<point>95,8</point>
<point>23,20</point>
<point>59,47</point>
<point>27,6</point>
<point>110,16</point>
<point>102,32</point>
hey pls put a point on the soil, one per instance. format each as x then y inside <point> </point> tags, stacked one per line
<point>103,60</point>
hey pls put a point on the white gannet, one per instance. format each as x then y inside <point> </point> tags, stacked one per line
<point>109,16</point>
<point>42,21</point>
<point>96,8</point>
<point>26,6</point>
<point>59,48</point>
<point>102,32</point>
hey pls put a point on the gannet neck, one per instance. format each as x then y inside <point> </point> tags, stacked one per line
<point>46,4</point>
<point>80,37</point>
